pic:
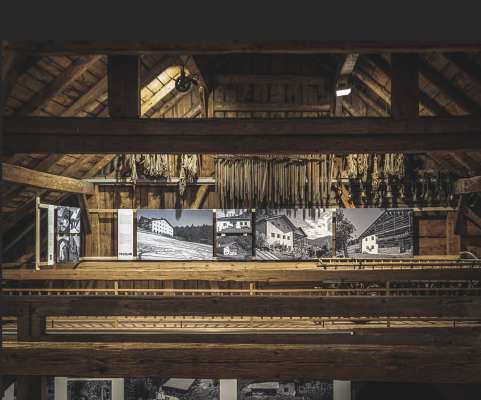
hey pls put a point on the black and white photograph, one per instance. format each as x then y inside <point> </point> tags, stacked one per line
<point>293,234</point>
<point>231,221</point>
<point>68,248</point>
<point>374,233</point>
<point>171,389</point>
<point>284,390</point>
<point>234,247</point>
<point>74,220</point>
<point>63,220</point>
<point>89,390</point>
<point>175,234</point>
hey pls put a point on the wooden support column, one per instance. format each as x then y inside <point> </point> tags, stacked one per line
<point>86,218</point>
<point>30,327</point>
<point>124,86</point>
<point>453,240</point>
<point>405,86</point>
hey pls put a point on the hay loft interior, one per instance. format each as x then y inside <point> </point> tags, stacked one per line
<point>106,127</point>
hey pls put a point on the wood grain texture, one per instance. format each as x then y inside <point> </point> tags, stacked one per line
<point>100,135</point>
<point>402,363</point>
<point>232,271</point>
<point>311,306</point>
<point>30,177</point>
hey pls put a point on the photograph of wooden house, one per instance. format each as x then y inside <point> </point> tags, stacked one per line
<point>374,233</point>
<point>233,221</point>
<point>171,389</point>
<point>234,247</point>
<point>171,234</point>
<point>293,234</point>
<point>284,390</point>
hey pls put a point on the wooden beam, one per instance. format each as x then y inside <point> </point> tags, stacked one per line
<point>473,217</point>
<point>275,361</point>
<point>468,185</point>
<point>241,272</point>
<point>446,87</point>
<point>30,177</point>
<point>348,64</point>
<point>355,336</point>
<point>238,47</point>
<point>70,74</point>
<point>200,196</point>
<point>84,206</point>
<point>273,306</point>
<point>100,135</point>
<point>404,86</point>
<point>124,86</point>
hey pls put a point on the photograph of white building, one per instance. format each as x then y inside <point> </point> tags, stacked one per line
<point>162,226</point>
<point>293,234</point>
<point>233,221</point>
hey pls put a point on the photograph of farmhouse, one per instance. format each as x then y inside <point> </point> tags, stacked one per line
<point>234,247</point>
<point>284,390</point>
<point>171,389</point>
<point>174,234</point>
<point>293,234</point>
<point>233,221</point>
<point>374,233</point>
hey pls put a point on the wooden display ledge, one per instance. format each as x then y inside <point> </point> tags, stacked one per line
<point>401,363</point>
<point>255,271</point>
<point>268,306</point>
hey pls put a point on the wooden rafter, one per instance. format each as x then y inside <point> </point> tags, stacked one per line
<point>468,185</point>
<point>30,177</point>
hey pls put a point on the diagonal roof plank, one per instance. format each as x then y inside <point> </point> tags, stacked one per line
<point>465,65</point>
<point>385,95</point>
<point>436,109</point>
<point>443,84</point>
<point>69,75</point>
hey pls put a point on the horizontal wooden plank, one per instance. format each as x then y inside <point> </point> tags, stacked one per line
<point>385,336</point>
<point>185,47</point>
<point>110,135</point>
<point>299,306</point>
<point>468,185</point>
<point>30,177</point>
<point>270,107</point>
<point>403,363</point>
<point>245,272</point>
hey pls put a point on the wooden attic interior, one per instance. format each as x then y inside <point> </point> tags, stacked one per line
<point>76,114</point>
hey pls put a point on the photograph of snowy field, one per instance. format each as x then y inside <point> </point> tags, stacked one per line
<point>174,234</point>
<point>293,234</point>
<point>374,233</point>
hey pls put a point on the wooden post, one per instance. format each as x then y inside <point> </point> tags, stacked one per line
<point>405,86</point>
<point>37,233</point>
<point>453,240</point>
<point>30,327</point>
<point>124,86</point>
